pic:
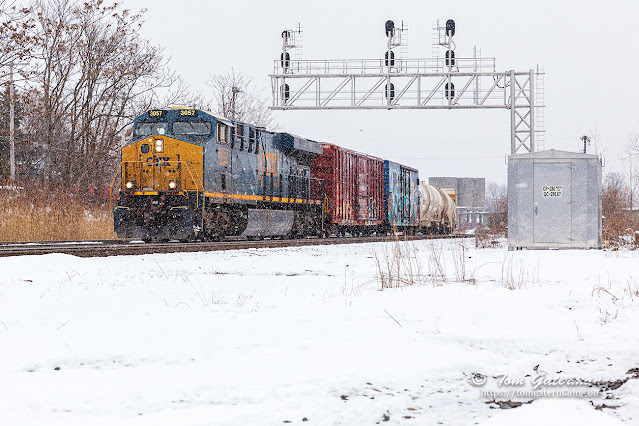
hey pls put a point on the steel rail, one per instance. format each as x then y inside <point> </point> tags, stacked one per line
<point>106,248</point>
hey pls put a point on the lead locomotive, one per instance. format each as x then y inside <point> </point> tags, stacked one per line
<point>188,174</point>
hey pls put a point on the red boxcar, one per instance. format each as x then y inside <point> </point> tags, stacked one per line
<point>353,188</point>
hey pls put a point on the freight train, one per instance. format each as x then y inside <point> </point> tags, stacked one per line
<point>189,174</point>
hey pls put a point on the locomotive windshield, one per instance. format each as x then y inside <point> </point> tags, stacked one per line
<point>148,129</point>
<point>192,128</point>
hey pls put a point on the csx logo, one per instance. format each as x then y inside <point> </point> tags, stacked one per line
<point>161,161</point>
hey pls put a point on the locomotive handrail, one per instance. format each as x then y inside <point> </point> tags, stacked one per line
<point>198,182</point>
<point>113,183</point>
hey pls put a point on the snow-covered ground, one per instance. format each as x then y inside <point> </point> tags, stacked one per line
<point>306,336</point>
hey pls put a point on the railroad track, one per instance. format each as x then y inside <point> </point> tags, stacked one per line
<point>134,247</point>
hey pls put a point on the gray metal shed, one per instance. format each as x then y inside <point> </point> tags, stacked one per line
<point>554,200</point>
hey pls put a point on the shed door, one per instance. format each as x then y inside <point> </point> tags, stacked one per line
<point>552,211</point>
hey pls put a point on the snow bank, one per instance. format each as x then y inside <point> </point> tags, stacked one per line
<point>268,336</point>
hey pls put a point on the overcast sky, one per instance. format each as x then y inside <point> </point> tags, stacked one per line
<point>587,49</point>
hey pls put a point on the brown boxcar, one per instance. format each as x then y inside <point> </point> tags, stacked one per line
<point>353,188</point>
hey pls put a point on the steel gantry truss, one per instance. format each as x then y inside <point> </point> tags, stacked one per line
<point>389,83</point>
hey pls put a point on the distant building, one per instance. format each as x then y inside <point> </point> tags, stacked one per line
<point>470,194</point>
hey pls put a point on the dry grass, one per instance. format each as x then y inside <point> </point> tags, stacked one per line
<point>459,254</point>
<point>515,276</point>
<point>39,215</point>
<point>621,232</point>
<point>632,288</point>
<point>486,238</point>
<point>398,265</point>
<point>437,264</point>
<point>613,296</point>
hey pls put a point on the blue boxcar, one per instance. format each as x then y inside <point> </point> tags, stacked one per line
<point>401,195</point>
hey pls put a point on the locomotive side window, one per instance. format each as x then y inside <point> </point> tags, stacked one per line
<point>192,128</point>
<point>222,133</point>
<point>257,142</point>
<point>145,129</point>
<point>252,137</point>
<point>239,135</point>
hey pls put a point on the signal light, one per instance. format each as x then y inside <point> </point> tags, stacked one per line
<point>450,91</point>
<point>285,60</point>
<point>450,27</point>
<point>286,92</point>
<point>390,93</point>
<point>450,58</point>
<point>392,59</point>
<point>389,26</point>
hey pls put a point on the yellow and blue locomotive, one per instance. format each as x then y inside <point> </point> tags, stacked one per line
<point>191,174</point>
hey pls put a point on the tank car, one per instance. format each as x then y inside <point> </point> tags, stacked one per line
<point>188,173</point>
<point>437,210</point>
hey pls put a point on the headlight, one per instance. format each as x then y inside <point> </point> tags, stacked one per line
<point>130,185</point>
<point>159,145</point>
<point>173,184</point>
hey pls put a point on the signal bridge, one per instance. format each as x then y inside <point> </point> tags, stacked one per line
<point>444,82</point>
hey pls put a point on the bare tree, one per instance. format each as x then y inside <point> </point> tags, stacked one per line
<point>596,145</point>
<point>631,152</point>
<point>237,98</point>
<point>95,74</point>
<point>16,33</point>
<point>497,203</point>
<point>615,202</point>
<point>16,44</point>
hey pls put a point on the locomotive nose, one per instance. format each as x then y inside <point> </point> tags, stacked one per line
<point>161,164</point>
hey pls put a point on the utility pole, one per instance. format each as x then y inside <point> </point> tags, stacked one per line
<point>586,140</point>
<point>12,145</point>
<point>235,90</point>
<point>12,130</point>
